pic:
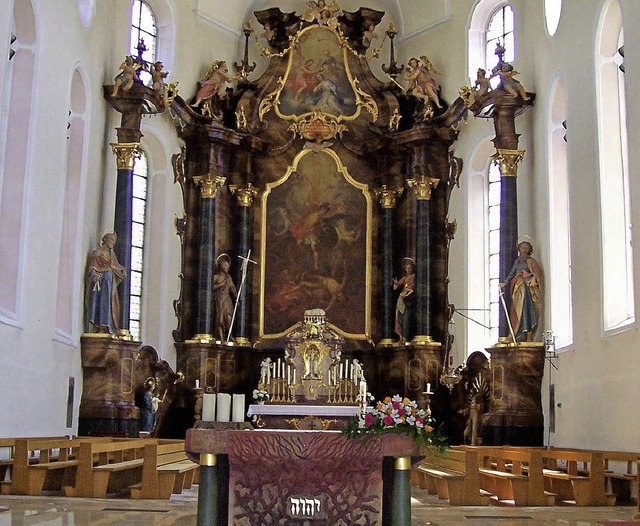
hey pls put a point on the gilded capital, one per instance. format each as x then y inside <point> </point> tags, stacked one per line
<point>423,186</point>
<point>245,193</point>
<point>209,185</point>
<point>508,161</point>
<point>126,153</point>
<point>388,197</point>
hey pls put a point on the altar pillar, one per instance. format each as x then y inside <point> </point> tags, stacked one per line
<point>422,186</point>
<point>507,157</point>
<point>245,195</point>
<point>126,154</point>
<point>388,199</point>
<point>209,185</point>
<point>208,490</point>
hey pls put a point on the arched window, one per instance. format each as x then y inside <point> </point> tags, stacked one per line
<point>144,34</point>
<point>615,213</point>
<point>483,249</point>
<point>67,283</point>
<point>492,21</point>
<point>559,276</point>
<point>140,173</point>
<point>552,10</point>
<point>14,157</point>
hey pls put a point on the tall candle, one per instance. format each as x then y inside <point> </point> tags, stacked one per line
<point>238,408</point>
<point>341,371</point>
<point>224,407</point>
<point>208,407</point>
<point>428,387</point>
<point>294,377</point>
<point>278,369</point>
<point>197,384</point>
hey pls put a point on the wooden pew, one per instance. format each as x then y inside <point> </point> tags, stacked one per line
<point>620,474</point>
<point>512,474</point>
<point>6,461</point>
<point>167,469</point>
<point>584,487</point>
<point>453,475</point>
<point>107,467</point>
<point>42,464</point>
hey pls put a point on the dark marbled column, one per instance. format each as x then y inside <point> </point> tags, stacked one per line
<point>209,185</point>
<point>242,324</point>
<point>423,274</point>
<point>422,188</point>
<point>125,153</point>
<point>508,162</point>
<point>388,199</point>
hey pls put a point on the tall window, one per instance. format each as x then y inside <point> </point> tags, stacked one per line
<point>559,274</point>
<point>494,250</point>
<point>617,263</point>
<point>492,21</point>
<point>140,171</point>
<point>14,157</point>
<point>552,11</point>
<point>143,33</point>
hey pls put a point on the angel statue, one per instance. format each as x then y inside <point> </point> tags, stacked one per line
<point>508,82</point>
<point>421,81</point>
<point>213,83</point>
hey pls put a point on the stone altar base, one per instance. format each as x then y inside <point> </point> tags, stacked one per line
<point>515,409</point>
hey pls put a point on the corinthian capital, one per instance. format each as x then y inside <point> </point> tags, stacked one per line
<point>209,185</point>
<point>388,197</point>
<point>508,161</point>
<point>245,193</point>
<point>126,153</point>
<point>422,186</point>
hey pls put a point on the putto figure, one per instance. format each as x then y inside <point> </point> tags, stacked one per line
<point>127,76</point>
<point>213,83</point>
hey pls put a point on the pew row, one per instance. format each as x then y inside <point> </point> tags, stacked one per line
<point>166,469</point>
<point>110,467</point>
<point>454,476</point>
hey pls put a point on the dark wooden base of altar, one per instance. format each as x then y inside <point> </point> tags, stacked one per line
<point>281,477</point>
<point>515,410</point>
<point>108,376</point>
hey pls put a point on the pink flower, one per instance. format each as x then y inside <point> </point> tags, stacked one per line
<point>368,419</point>
<point>388,420</point>
<point>401,412</point>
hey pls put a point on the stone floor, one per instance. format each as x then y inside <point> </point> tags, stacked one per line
<point>181,511</point>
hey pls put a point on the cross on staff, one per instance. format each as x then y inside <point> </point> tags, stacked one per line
<point>245,265</point>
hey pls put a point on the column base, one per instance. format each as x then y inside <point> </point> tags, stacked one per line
<point>424,340</point>
<point>202,338</point>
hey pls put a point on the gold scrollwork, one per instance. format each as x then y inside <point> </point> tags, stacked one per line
<point>508,161</point>
<point>324,422</point>
<point>317,126</point>
<point>423,186</point>
<point>394,120</point>
<point>270,100</point>
<point>126,153</point>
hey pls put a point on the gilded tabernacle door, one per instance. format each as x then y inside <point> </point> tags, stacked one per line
<point>316,247</point>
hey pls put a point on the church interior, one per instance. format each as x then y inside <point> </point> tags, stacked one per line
<point>266,215</point>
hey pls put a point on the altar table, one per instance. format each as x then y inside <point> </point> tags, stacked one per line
<point>302,477</point>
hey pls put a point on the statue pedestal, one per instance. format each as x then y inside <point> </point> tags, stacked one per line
<point>515,409</point>
<point>108,394</point>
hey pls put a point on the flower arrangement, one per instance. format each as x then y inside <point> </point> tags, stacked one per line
<point>260,395</point>
<point>397,415</point>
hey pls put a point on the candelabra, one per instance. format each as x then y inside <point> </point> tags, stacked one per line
<point>392,70</point>
<point>244,68</point>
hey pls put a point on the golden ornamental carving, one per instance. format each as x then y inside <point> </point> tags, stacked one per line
<point>245,194</point>
<point>325,423</point>
<point>209,185</point>
<point>241,120</point>
<point>423,186</point>
<point>317,126</point>
<point>508,161</point>
<point>284,100</point>
<point>394,120</point>
<point>126,154</point>
<point>388,197</point>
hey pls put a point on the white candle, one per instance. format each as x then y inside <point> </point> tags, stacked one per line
<point>294,377</point>
<point>428,387</point>
<point>238,408</point>
<point>208,407</point>
<point>278,370</point>
<point>224,407</point>
<point>283,369</point>
<point>341,371</point>
<point>197,384</point>
<point>363,391</point>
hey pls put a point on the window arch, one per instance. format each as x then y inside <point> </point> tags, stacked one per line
<point>559,275</point>
<point>491,21</point>
<point>483,201</point>
<point>14,157</point>
<point>615,213</point>
<point>552,11</point>
<point>144,35</point>
<point>75,165</point>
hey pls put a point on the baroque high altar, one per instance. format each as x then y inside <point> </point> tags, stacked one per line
<point>315,186</point>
